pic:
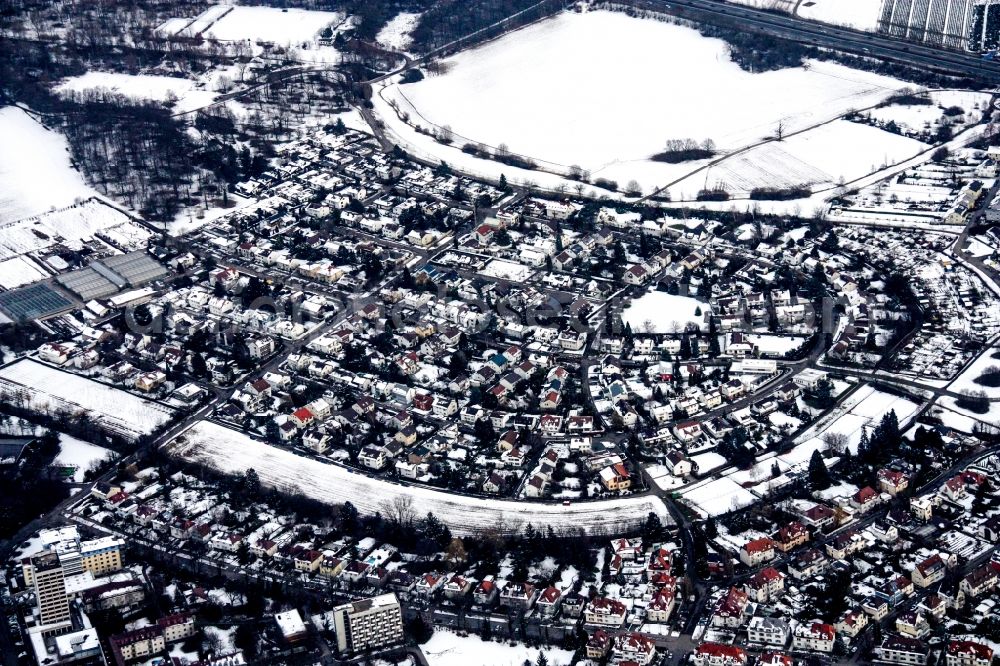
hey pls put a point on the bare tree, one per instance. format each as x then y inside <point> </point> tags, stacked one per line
<point>400,510</point>
<point>836,442</point>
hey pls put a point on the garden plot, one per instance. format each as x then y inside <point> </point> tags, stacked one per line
<point>589,74</point>
<point>660,312</point>
<point>818,158</point>
<point>35,170</point>
<point>46,390</point>
<point>916,117</point>
<point>232,452</point>
<point>70,227</point>
<point>863,409</point>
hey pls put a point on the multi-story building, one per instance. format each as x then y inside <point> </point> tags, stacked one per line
<point>370,624</point>
<point>50,592</point>
<point>757,552</point>
<point>968,653</point>
<point>768,631</point>
<point>605,612</point>
<point>899,650</point>
<point>814,637</point>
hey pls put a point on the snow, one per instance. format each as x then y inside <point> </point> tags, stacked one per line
<point>271,24</point>
<point>967,380</point>
<point>19,271</point>
<point>706,462</point>
<point>814,158</point>
<point>858,14</point>
<point>660,312</point>
<point>181,93</point>
<point>395,34</point>
<point>35,170</point>
<point>47,389</point>
<point>507,270</point>
<point>588,74</point>
<point>863,409</point>
<point>449,649</point>
<point>719,496</point>
<point>776,344</point>
<point>233,452</point>
<point>80,454</point>
<point>69,226</point>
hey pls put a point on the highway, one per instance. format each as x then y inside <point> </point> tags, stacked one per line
<point>821,35</point>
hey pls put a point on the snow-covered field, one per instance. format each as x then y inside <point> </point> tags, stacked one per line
<point>180,92</point>
<point>69,226</point>
<point>967,380</point>
<point>815,158</point>
<point>395,34</point>
<point>448,649</point>
<point>660,312</point>
<point>590,74</point>
<point>858,14</point>
<point>229,451</point>
<point>46,389</point>
<point>270,24</point>
<point>35,170</point>
<point>80,454</point>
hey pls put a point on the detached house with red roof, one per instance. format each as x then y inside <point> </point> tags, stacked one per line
<point>756,552</point>
<point>892,481</point>
<point>865,500</point>
<point>604,612</point>
<point>730,611</point>
<point>765,584</point>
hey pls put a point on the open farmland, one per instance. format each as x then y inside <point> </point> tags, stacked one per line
<point>35,168</point>
<point>232,452</point>
<point>44,389</point>
<point>623,83</point>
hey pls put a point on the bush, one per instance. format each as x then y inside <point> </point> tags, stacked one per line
<point>779,193</point>
<point>686,155</point>
<point>607,184</point>
<point>990,377</point>
<point>909,99</point>
<point>941,154</point>
<point>714,194</point>
<point>974,401</point>
<point>412,76</point>
<point>953,111</point>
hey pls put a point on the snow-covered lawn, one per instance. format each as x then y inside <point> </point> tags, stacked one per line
<point>271,24</point>
<point>590,74</point>
<point>660,312</point>
<point>449,649</point>
<point>230,451</point>
<point>716,497</point>
<point>48,390</point>
<point>180,92</point>
<point>35,171</point>
<point>859,14</point>
<point>396,33</point>
<point>967,380</point>
<point>80,454</point>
